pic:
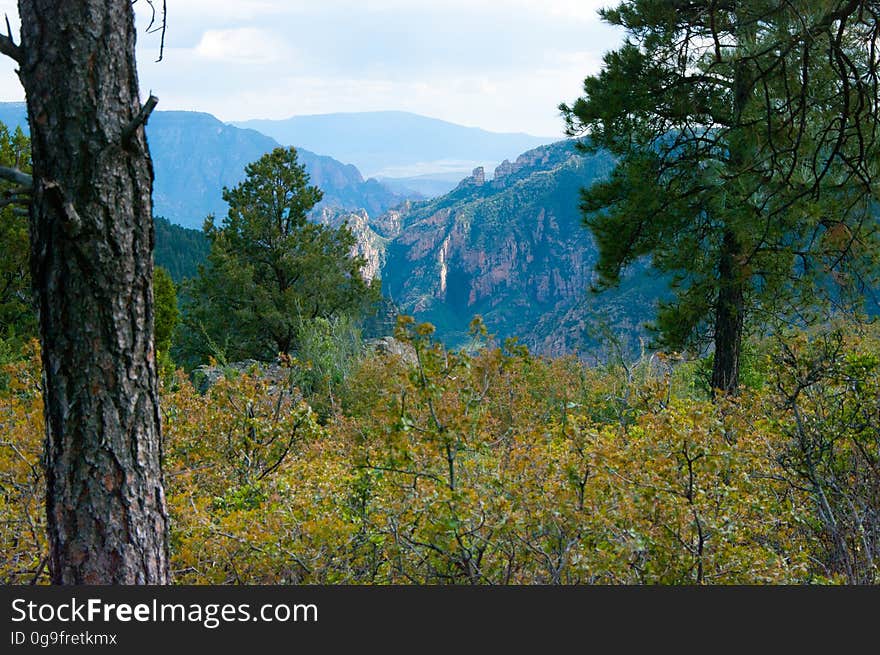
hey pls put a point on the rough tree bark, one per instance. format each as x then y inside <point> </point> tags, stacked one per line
<point>92,239</point>
<point>729,310</point>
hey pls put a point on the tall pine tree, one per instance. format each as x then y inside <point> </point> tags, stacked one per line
<point>746,140</point>
<point>91,237</point>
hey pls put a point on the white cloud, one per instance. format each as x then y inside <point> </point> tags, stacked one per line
<point>518,101</point>
<point>246,45</point>
<point>584,10</point>
<point>503,65</point>
<point>571,9</point>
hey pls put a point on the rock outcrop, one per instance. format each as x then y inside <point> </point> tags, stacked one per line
<point>391,347</point>
<point>390,223</point>
<point>476,179</point>
<point>278,376</point>
<point>504,169</point>
<point>368,244</point>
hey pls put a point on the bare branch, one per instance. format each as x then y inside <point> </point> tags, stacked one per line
<point>15,201</point>
<point>72,221</point>
<point>141,119</point>
<point>7,45</point>
<point>162,25</point>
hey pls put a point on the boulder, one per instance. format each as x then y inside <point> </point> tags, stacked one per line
<point>277,375</point>
<point>391,347</point>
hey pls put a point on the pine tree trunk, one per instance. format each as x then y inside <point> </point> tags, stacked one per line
<point>728,318</point>
<point>730,303</point>
<point>91,262</point>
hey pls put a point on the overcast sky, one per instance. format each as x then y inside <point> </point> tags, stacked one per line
<point>503,65</point>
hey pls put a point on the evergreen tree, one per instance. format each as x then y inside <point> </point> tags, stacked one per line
<point>746,138</point>
<point>165,300</point>
<point>167,316</point>
<point>270,268</point>
<point>18,320</point>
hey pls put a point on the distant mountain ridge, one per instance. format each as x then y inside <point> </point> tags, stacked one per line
<point>195,155</point>
<point>395,143</point>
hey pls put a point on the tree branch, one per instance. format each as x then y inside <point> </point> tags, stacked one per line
<point>15,200</point>
<point>141,119</point>
<point>7,45</point>
<point>72,221</point>
<point>17,176</point>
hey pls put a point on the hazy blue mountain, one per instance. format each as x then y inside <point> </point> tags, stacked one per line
<point>397,144</point>
<point>14,114</point>
<point>195,155</point>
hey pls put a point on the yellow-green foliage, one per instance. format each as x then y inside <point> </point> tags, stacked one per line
<point>500,467</point>
<point>22,488</point>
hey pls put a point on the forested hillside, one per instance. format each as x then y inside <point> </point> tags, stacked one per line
<point>179,250</point>
<point>510,248</point>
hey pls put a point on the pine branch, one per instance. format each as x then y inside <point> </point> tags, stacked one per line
<point>17,176</point>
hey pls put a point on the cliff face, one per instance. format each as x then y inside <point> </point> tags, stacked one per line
<point>512,249</point>
<point>369,245</point>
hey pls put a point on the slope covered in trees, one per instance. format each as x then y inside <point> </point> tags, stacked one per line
<point>510,248</point>
<point>179,250</point>
<point>17,312</point>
